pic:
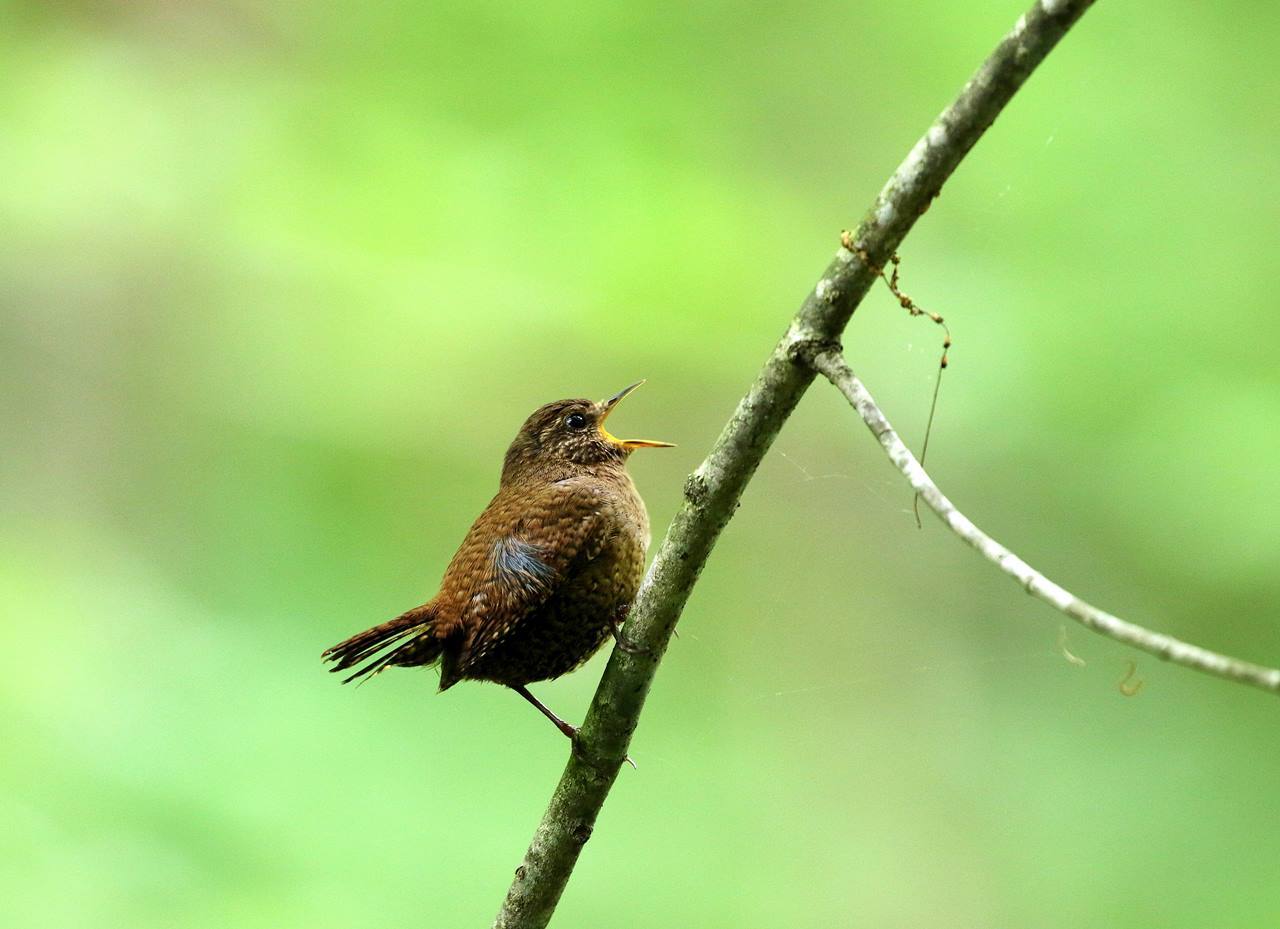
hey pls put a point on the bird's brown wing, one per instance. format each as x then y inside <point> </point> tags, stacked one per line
<point>527,555</point>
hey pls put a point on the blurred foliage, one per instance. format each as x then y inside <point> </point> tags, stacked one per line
<point>279,283</point>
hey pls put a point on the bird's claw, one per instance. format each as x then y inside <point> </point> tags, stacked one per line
<point>577,747</point>
<point>623,645</point>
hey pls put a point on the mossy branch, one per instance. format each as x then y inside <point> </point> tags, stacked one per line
<point>713,490</point>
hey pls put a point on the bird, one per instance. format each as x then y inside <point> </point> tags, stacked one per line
<point>545,574</point>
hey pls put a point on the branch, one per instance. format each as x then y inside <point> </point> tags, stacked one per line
<point>837,371</point>
<point>713,490</point>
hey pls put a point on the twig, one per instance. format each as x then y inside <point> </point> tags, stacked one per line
<point>713,490</point>
<point>833,366</point>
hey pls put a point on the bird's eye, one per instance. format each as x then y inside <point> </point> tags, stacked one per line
<point>575,421</point>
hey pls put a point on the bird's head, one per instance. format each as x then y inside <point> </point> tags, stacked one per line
<point>570,432</point>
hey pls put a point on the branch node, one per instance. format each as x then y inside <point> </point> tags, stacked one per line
<point>850,243</point>
<point>695,489</point>
<point>806,351</point>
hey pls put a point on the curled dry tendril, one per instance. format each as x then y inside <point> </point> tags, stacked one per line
<point>891,280</point>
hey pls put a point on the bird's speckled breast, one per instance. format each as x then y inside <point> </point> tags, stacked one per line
<point>572,625</point>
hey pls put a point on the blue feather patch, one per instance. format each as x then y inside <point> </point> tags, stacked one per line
<point>519,565</point>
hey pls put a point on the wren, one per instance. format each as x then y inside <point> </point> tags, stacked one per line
<point>544,576</point>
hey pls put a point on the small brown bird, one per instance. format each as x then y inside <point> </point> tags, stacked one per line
<point>545,574</point>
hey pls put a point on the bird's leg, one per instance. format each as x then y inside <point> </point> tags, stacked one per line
<point>570,731</point>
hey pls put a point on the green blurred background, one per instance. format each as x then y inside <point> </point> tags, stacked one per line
<point>280,281</point>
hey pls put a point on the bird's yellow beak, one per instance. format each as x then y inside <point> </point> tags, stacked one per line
<point>628,444</point>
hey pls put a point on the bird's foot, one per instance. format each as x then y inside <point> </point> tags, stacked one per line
<point>623,645</point>
<point>572,732</point>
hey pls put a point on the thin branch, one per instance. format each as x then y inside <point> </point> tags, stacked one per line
<point>837,371</point>
<point>713,490</point>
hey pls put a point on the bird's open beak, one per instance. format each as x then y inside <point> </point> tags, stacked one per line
<point>628,444</point>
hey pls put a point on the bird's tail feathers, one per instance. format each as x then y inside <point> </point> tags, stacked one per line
<point>409,639</point>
